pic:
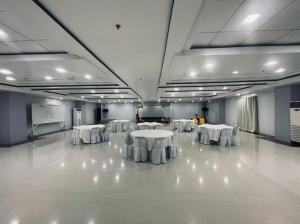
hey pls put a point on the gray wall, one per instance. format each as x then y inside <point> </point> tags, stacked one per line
<point>216,111</point>
<point>282,113</point>
<point>231,111</point>
<point>185,110</point>
<point>16,121</point>
<point>122,111</point>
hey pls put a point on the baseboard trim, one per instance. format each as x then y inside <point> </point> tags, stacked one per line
<point>31,139</point>
<point>273,139</point>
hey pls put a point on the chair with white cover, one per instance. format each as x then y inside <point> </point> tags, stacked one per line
<point>104,135</point>
<point>158,126</point>
<point>188,126</point>
<point>128,145</point>
<point>140,149</point>
<point>225,137</point>
<point>95,135</point>
<point>76,136</point>
<point>179,126</point>
<point>235,139</point>
<point>173,148</point>
<point>204,136</point>
<point>158,152</point>
<point>125,126</point>
<point>144,127</point>
<point>119,127</point>
<point>133,127</point>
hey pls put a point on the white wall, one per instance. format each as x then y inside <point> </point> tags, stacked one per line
<point>123,111</point>
<point>266,112</point>
<point>90,113</point>
<point>185,110</point>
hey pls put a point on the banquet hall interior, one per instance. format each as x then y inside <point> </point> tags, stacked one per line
<point>149,111</point>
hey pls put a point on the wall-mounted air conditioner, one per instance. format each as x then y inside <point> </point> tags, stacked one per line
<point>295,121</point>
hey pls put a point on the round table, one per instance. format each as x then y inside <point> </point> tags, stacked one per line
<point>152,135</point>
<point>120,125</point>
<point>183,124</point>
<point>85,131</point>
<point>149,125</point>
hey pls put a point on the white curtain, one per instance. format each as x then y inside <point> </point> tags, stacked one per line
<point>247,113</point>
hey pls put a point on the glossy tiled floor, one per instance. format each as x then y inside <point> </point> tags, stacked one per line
<point>52,182</point>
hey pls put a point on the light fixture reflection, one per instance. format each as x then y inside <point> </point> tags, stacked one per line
<point>201,180</point>
<point>226,180</point>
<point>117,177</point>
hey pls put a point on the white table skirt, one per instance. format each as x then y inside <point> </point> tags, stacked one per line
<point>183,123</point>
<point>124,124</point>
<point>214,130</point>
<point>85,131</point>
<point>149,125</point>
<point>152,135</point>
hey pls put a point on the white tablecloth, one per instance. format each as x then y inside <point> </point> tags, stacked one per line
<point>149,125</point>
<point>214,130</point>
<point>183,123</point>
<point>152,135</point>
<point>125,124</point>
<point>85,131</point>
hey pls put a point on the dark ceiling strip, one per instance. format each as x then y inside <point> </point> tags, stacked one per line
<point>102,93</point>
<point>55,19</point>
<point>204,90</point>
<point>33,53</point>
<point>166,43</point>
<point>62,94</point>
<point>113,86</point>
<point>241,46</point>
<point>218,85</point>
<point>241,88</point>
<point>184,97</point>
<point>59,89</point>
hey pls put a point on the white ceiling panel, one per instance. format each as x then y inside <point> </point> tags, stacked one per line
<point>203,39</point>
<point>11,34</point>
<point>24,46</point>
<point>6,49</point>
<point>214,14</point>
<point>263,37</point>
<point>288,18</point>
<point>50,45</point>
<point>291,37</point>
<point>266,10</point>
<point>229,38</point>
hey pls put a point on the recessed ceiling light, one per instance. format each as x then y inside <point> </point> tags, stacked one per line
<point>10,78</point>
<point>122,96</point>
<point>5,71</point>
<point>119,100</point>
<point>251,18</point>
<point>102,96</point>
<point>60,70</point>
<point>225,87</point>
<point>179,99</point>
<point>238,94</point>
<point>93,91</point>
<point>193,74</point>
<point>193,94</point>
<point>168,100</point>
<point>200,98</point>
<point>61,98</point>
<point>87,76</point>
<point>210,65</point>
<point>82,97</point>
<point>193,101</point>
<point>235,72</point>
<point>116,91</point>
<point>173,94</point>
<point>176,89</point>
<point>280,70</point>
<point>271,63</point>
<point>3,34</point>
<point>200,88</point>
<point>214,93</point>
<point>48,78</point>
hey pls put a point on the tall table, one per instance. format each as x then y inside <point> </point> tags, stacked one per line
<point>85,131</point>
<point>214,130</point>
<point>120,125</point>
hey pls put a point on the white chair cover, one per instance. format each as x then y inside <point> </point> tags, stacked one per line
<point>158,152</point>
<point>128,143</point>
<point>140,149</point>
<point>76,136</point>
<point>225,137</point>
<point>95,135</point>
<point>179,126</point>
<point>188,126</point>
<point>158,126</point>
<point>204,136</point>
<point>235,140</point>
<point>173,148</point>
<point>119,127</point>
<point>104,135</point>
